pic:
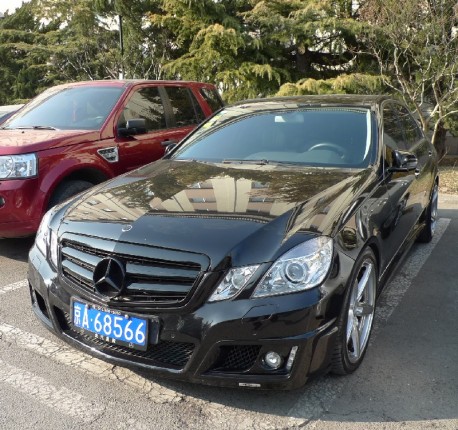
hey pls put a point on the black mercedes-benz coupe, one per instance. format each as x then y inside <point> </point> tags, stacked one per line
<point>253,253</point>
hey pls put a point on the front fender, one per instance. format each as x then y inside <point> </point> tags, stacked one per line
<point>54,167</point>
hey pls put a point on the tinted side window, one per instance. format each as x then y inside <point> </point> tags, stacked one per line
<point>145,103</point>
<point>212,98</point>
<point>184,106</point>
<point>393,135</point>
<point>411,129</point>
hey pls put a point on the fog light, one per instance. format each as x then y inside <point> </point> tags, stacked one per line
<point>34,296</point>
<point>2,202</point>
<point>292,356</point>
<point>273,360</point>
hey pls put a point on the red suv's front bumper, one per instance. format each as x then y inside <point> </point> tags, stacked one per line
<point>21,203</point>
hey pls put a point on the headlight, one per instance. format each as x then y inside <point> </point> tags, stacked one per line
<point>301,268</point>
<point>43,234</point>
<point>53,247</point>
<point>233,283</point>
<point>18,166</point>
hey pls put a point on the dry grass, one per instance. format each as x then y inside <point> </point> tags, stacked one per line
<point>448,171</point>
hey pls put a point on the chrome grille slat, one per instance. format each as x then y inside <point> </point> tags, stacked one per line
<point>158,288</point>
<point>88,286</point>
<point>149,301</point>
<point>102,247</point>
<point>151,280</point>
<point>77,271</point>
<point>141,272</point>
<point>90,261</point>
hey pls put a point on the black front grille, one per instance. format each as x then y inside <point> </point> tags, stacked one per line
<point>154,276</point>
<point>237,358</point>
<point>164,353</point>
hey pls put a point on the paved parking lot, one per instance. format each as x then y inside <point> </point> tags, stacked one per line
<point>409,379</point>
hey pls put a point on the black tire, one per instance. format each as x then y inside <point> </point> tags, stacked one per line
<point>346,357</point>
<point>427,233</point>
<point>68,189</point>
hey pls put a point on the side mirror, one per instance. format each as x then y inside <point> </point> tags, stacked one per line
<point>169,145</point>
<point>133,127</point>
<point>403,161</point>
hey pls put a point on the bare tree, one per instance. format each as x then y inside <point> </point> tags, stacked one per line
<point>416,46</point>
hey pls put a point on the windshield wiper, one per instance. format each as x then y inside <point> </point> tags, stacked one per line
<point>244,161</point>
<point>36,127</point>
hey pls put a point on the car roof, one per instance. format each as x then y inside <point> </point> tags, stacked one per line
<point>293,102</point>
<point>127,83</point>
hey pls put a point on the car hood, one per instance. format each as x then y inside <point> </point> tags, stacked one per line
<point>24,141</point>
<point>234,214</point>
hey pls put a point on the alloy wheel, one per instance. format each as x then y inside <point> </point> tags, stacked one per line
<point>361,311</point>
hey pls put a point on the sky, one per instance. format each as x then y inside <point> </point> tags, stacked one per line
<point>10,5</point>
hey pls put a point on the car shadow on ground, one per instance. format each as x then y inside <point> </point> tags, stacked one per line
<point>16,249</point>
<point>274,403</point>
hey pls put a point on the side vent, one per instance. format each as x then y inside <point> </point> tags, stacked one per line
<point>110,154</point>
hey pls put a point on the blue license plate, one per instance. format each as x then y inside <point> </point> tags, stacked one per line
<point>111,325</point>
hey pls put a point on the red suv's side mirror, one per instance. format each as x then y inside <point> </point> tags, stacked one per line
<point>133,126</point>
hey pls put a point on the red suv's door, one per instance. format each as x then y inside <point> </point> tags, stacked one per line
<point>170,113</point>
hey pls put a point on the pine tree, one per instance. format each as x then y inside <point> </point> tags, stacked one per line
<point>23,69</point>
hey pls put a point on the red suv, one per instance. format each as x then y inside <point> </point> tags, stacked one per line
<point>74,136</point>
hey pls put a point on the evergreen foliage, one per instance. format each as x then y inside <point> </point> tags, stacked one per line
<point>23,68</point>
<point>248,48</point>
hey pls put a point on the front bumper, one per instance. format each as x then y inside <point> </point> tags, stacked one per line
<point>221,343</point>
<point>20,207</point>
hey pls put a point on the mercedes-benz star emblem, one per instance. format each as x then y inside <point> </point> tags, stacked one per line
<point>109,277</point>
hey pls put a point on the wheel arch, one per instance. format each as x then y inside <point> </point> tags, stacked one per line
<point>341,362</point>
<point>90,174</point>
<point>374,245</point>
<point>86,173</point>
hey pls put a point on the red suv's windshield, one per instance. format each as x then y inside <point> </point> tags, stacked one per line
<point>77,108</point>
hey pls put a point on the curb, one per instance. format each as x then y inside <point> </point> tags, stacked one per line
<point>448,201</point>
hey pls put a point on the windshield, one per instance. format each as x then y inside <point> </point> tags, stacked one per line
<point>76,108</point>
<point>328,136</point>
